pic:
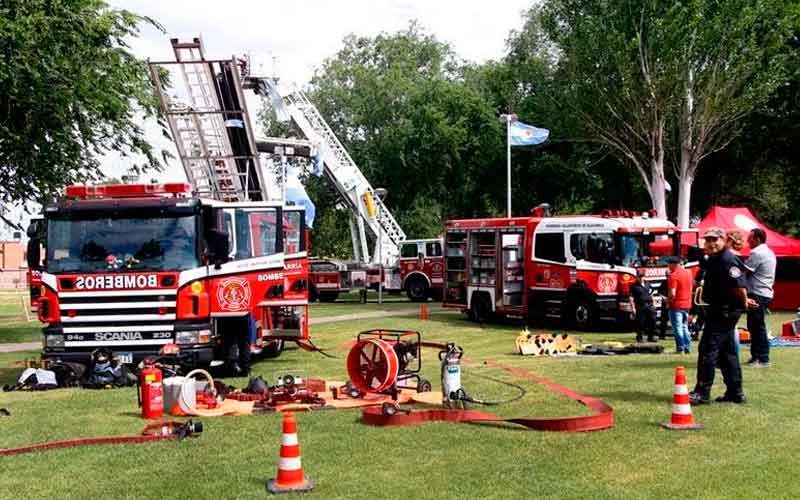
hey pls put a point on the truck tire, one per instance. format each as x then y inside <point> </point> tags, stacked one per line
<point>273,350</point>
<point>417,289</point>
<point>480,310</point>
<point>312,294</point>
<point>582,313</point>
<point>328,296</point>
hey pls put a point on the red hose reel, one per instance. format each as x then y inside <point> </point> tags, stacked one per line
<point>385,360</point>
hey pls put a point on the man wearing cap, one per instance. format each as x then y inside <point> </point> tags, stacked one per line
<point>679,287</point>
<point>725,296</point>
<point>760,279</point>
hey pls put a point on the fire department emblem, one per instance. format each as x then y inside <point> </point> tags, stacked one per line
<point>233,294</point>
<point>607,283</point>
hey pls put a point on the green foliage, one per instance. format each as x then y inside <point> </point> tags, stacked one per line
<point>71,91</point>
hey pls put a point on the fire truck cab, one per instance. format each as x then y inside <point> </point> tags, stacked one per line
<point>421,266</point>
<point>327,279</point>
<point>575,268</point>
<point>135,266</point>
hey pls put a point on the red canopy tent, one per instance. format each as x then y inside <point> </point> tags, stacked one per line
<point>787,283</point>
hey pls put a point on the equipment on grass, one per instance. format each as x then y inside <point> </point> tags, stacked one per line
<point>290,477</point>
<point>383,361</point>
<point>546,344</point>
<point>682,418</point>
<point>451,376</point>
<point>151,391</point>
<point>157,431</point>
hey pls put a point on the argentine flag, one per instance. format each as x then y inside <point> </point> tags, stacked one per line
<point>521,134</point>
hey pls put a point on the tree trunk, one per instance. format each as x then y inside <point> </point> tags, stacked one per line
<point>684,200</point>
<point>658,192</point>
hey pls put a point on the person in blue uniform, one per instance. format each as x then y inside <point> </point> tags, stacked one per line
<point>725,298</point>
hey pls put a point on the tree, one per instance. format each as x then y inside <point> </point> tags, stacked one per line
<point>71,91</point>
<point>735,56</point>
<point>614,78</point>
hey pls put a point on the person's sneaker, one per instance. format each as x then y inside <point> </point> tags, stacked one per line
<point>738,399</point>
<point>760,364</point>
<point>751,361</point>
<point>697,399</point>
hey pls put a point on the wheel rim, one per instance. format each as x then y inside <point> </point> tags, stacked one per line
<point>582,314</point>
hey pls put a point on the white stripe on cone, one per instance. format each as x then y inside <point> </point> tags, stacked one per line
<point>680,390</point>
<point>287,463</point>
<point>289,439</point>
<point>681,409</point>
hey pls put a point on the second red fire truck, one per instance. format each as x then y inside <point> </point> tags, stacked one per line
<point>575,268</point>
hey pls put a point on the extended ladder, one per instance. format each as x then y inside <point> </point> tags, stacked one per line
<point>340,169</point>
<point>210,124</point>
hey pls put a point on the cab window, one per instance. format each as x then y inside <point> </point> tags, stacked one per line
<point>292,231</point>
<point>549,246</point>
<point>433,249</point>
<point>256,232</point>
<point>409,251</point>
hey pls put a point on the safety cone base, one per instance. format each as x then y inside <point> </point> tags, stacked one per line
<point>681,427</point>
<point>306,485</point>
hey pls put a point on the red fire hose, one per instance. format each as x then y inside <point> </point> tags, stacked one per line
<point>602,417</point>
<point>153,432</point>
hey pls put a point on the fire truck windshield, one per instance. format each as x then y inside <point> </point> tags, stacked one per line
<point>109,244</point>
<point>640,250</point>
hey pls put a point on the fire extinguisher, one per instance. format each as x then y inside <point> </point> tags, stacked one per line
<point>151,394</point>
<point>452,392</point>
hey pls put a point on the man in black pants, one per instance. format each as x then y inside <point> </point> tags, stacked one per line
<point>725,293</point>
<point>760,279</point>
<point>644,311</point>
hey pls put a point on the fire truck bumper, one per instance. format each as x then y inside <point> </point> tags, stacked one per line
<point>57,346</point>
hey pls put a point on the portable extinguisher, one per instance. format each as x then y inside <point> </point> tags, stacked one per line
<point>452,393</point>
<point>151,394</point>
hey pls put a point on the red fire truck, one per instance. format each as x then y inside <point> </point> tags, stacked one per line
<point>575,268</point>
<point>133,267</point>
<point>326,280</point>
<point>421,266</point>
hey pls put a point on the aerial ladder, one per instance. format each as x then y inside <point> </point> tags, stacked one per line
<point>368,212</point>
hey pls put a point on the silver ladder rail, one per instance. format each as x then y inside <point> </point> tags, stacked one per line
<point>198,123</point>
<point>339,168</point>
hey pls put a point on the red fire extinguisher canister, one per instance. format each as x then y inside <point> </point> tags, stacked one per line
<point>151,393</point>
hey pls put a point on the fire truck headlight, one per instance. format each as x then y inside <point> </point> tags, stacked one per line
<point>193,337</point>
<point>54,341</point>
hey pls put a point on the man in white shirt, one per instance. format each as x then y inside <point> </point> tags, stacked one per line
<point>760,279</point>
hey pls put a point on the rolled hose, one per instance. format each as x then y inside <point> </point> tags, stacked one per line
<point>193,408</point>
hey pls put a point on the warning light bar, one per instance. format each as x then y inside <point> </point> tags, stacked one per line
<point>128,190</point>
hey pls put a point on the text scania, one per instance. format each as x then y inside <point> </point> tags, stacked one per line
<point>98,282</point>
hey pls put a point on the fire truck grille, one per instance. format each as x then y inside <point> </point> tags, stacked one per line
<point>121,319</point>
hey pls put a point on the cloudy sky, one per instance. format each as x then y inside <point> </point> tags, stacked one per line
<point>300,34</point>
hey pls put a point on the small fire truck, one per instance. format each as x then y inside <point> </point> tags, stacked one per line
<point>326,280</point>
<point>575,268</point>
<point>132,267</point>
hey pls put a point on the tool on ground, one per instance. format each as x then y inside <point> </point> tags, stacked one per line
<point>384,361</point>
<point>682,418</point>
<point>452,392</point>
<point>157,431</point>
<point>290,476</point>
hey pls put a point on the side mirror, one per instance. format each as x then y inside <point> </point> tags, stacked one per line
<point>421,259</point>
<point>33,229</point>
<point>218,247</point>
<point>34,254</point>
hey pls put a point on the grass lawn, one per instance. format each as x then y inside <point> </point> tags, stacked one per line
<point>11,302</point>
<point>349,304</point>
<point>20,331</point>
<point>744,451</point>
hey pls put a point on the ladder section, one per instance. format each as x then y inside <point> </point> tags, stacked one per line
<point>339,166</point>
<point>204,106</point>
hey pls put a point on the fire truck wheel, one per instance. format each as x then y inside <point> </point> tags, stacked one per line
<point>582,314</point>
<point>328,296</point>
<point>480,309</point>
<point>273,350</point>
<point>417,289</point>
<point>424,385</point>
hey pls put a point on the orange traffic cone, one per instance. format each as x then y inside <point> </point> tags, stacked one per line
<point>290,469</point>
<point>423,312</point>
<point>681,409</point>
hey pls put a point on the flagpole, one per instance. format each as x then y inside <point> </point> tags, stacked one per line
<point>508,163</point>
